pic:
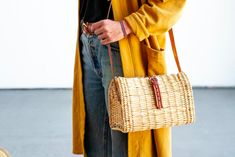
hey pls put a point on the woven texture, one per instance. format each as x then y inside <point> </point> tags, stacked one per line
<point>132,104</point>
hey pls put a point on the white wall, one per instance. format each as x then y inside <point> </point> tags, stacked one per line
<point>205,39</point>
<point>37,43</point>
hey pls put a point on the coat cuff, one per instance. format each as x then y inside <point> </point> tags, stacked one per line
<point>137,27</point>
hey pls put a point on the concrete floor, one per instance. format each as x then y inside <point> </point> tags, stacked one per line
<point>37,123</point>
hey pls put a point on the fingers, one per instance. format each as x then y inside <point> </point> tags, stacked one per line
<point>105,41</point>
<point>107,31</point>
<point>98,24</point>
<point>100,28</point>
<point>95,25</point>
<point>102,36</point>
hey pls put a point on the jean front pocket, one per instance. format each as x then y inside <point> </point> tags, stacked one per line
<point>156,60</point>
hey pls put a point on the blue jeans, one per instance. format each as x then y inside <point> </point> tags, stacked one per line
<point>100,140</point>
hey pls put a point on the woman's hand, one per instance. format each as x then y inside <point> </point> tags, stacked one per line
<point>109,31</point>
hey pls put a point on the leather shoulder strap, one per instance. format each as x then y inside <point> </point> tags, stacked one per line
<point>171,34</point>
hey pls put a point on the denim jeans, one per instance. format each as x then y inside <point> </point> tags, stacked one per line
<point>100,140</point>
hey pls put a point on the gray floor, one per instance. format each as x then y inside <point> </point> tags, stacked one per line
<point>37,123</point>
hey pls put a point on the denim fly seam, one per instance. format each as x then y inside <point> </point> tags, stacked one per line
<point>93,55</point>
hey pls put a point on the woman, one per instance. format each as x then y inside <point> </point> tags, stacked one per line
<point>129,24</point>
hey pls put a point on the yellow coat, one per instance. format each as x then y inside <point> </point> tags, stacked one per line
<point>148,23</point>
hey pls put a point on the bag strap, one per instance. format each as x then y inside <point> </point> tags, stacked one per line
<point>172,39</point>
<point>173,46</point>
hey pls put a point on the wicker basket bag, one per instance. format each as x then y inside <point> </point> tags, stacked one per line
<point>144,103</point>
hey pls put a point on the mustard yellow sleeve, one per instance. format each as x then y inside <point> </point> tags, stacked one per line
<point>155,17</point>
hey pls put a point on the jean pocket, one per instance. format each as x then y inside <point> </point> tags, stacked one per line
<point>156,60</point>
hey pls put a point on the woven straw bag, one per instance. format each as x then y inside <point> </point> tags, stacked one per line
<point>144,103</point>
